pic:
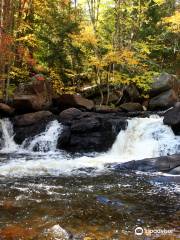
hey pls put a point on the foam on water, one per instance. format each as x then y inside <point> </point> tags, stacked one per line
<point>143,138</point>
<point>7,143</point>
<point>46,141</point>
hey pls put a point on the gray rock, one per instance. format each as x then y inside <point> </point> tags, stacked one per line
<point>163,83</point>
<point>70,114</point>
<point>159,164</point>
<point>172,118</point>
<point>73,101</point>
<point>37,126</point>
<point>31,118</point>
<point>175,171</point>
<point>94,132</point>
<point>131,107</point>
<point>163,101</point>
<point>85,125</point>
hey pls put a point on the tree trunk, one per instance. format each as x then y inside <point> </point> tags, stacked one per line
<point>108,87</point>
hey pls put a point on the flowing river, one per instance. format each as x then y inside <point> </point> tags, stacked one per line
<point>46,193</point>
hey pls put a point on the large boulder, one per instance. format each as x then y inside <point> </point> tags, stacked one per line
<point>93,132</point>
<point>131,107</point>
<point>6,110</point>
<point>70,114</point>
<point>160,164</point>
<point>31,118</point>
<point>29,103</point>
<point>85,125</point>
<point>164,83</point>
<point>163,101</point>
<point>172,118</point>
<point>73,101</point>
<point>30,125</point>
<point>33,96</point>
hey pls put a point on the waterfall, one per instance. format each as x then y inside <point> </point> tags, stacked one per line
<point>143,138</point>
<point>7,142</point>
<point>46,141</point>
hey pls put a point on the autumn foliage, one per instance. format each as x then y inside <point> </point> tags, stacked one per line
<point>109,42</point>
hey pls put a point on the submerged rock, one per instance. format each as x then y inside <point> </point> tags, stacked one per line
<point>172,118</point>
<point>106,201</point>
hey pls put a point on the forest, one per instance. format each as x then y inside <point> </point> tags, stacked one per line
<point>77,44</point>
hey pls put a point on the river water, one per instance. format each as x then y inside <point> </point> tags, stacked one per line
<point>48,194</point>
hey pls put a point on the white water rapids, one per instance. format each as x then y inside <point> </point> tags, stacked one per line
<point>143,138</point>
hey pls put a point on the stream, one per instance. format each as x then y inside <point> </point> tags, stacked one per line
<point>46,193</point>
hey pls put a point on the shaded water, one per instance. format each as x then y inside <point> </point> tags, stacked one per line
<point>52,195</point>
